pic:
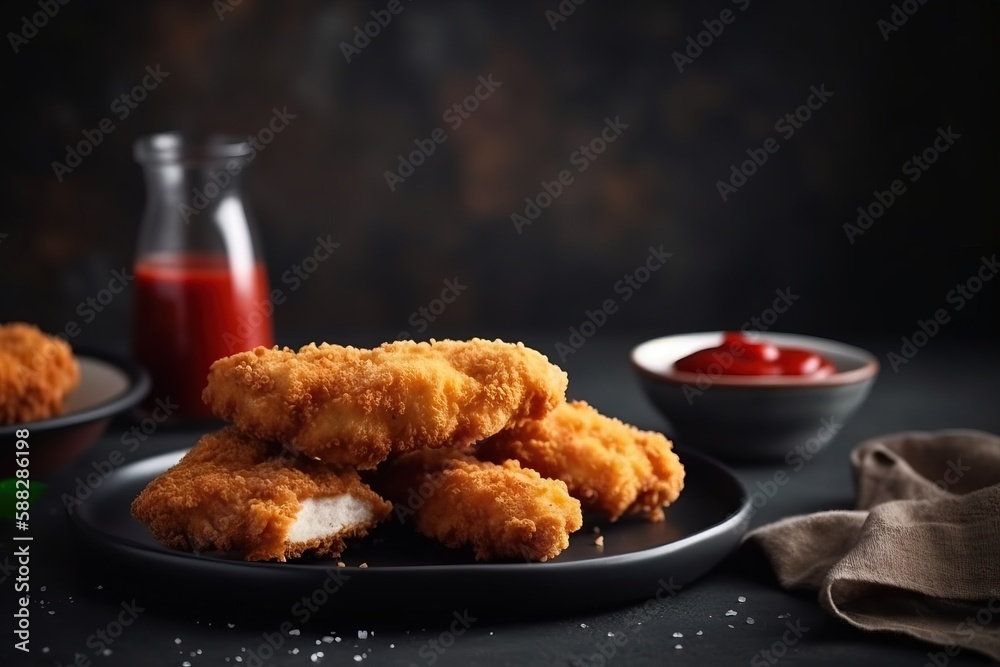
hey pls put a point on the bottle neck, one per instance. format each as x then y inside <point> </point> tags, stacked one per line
<point>193,191</point>
<point>197,207</point>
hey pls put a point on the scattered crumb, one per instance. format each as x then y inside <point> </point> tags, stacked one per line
<point>599,541</point>
<point>597,529</point>
<point>328,639</point>
<point>678,646</point>
<point>611,634</point>
<point>341,563</point>
<point>749,621</point>
<point>741,599</point>
<point>732,626</point>
<point>583,625</point>
<point>363,565</point>
<point>357,658</point>
<point>784,615</point>
<point>294,632</point>
<point>177,640</point>
<point>678,635</point>
<point>231,625</point>
<point>392,646</point>
<point>106,652</point>
<point>295,651</point>
<point>731,612</point>
<point>185,664</point>
<point>699,633</point>
<point>336,639</point>
<point>362,634</point>
<point>316,657</point>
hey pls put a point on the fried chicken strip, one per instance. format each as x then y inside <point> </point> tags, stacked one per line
<point>501,511</point>
<point>353,406</point>
<point>37,371</point>
<point>233,493</point>
<point>611,467</point>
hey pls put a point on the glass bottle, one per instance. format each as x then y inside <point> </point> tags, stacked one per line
<point>201,283</point>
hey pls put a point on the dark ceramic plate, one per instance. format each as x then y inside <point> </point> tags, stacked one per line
<point>639,560</point>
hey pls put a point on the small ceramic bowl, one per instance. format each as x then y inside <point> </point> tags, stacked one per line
<point>754,418</point>
<point>108,385</point>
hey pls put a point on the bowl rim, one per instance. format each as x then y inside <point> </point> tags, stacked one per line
<point>869,369</point>
<point>138,387</point>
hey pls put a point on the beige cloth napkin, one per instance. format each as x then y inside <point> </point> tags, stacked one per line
<point>921,554</point>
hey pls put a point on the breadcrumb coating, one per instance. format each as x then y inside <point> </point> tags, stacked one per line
<point>37,371</point>
<point>611,467</point>
<point>354,406</point>
<point>501,511</point>
<point>234,493</point>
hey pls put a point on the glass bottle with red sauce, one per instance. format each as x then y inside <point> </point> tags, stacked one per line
<point>201,284</point>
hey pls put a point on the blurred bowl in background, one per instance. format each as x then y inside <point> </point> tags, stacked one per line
<point>743,418</point>
<point>108,385</point>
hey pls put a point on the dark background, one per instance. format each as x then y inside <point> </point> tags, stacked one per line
<point>655,185</point>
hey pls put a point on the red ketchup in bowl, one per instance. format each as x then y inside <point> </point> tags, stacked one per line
<point>738,355</point>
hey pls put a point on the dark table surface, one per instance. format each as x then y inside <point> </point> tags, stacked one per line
<point>948,385</point>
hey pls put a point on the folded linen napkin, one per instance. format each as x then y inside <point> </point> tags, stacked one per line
<point>921,554</point>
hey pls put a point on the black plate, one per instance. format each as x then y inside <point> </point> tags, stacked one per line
<point>639,559</point>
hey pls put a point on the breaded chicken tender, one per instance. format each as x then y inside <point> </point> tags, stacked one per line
<point>37,372</point>
<point>353,406</point>
<point>611,467</point>
<point>501,511</point>
<point>232,493</point>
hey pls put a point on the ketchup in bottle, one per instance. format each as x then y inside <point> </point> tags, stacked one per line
<point>201,284</point>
